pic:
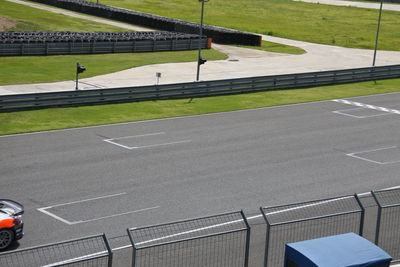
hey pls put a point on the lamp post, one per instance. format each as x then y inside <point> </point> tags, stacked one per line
<point>200,60</point>
<point>377,33</point>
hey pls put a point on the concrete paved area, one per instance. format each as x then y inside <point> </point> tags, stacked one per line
<point>242,62</point>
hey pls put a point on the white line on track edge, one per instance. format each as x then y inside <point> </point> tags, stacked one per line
<point>189,116</point>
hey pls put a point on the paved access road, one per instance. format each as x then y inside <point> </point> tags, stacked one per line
<point>104,179</point>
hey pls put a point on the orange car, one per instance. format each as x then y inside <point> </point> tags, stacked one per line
<point>11,225</point>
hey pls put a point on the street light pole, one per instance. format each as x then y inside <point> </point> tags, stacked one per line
<point>377,33</point>
<point>199,59</point>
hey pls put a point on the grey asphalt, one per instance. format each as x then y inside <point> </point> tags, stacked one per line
<point>196,166</point>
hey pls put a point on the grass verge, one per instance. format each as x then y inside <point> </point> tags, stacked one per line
<point>34,69</point>
<point>61,118</point>
<point>317,23</point>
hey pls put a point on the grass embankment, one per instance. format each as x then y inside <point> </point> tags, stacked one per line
<point>20,70</point>
<point>60,118</point>
<point>317,23</point>
<point>33,19</point>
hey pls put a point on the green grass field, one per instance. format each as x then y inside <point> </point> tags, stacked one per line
<point>20,70</point>
<point>34,69</point>
<point>332,25</point>
<point>32,19</point>
<point>60,118</point>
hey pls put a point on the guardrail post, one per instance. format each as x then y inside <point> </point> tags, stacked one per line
<point>133,248</point>
<point>110,253</point>
<point>361,230</point>
<point>247,252</point>
<point>267,237</point>
<point>378,219</point>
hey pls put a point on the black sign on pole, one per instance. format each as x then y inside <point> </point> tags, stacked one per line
<point>79,69</point>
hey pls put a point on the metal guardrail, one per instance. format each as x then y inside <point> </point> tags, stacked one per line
<point>195,89</point>
<point>102,47</point>
<point>387,233</point>
<point>87,251</point>
<point>220,240</point>
<point>308,220</point>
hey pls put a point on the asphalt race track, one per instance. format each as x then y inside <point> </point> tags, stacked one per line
<point>84,181</point>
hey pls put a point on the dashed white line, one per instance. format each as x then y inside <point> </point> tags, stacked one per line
<point>368,106</point>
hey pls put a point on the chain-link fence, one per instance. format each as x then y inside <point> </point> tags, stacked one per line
<point>220,240</point>
<point>88,251</point>
<point>387,235</point>
<point>308,220</point>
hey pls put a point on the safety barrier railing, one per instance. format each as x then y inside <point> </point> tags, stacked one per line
<point>87,251</point>
<point>220,240</point>
<point>308,220</point>
<point>224,239</point>
<point>195,89</point>
<point>387,234</point>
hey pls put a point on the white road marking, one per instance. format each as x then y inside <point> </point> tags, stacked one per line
<point>189,116</point>
<point>84,200</point>
<point>163,144</point>
<point>118,214</point>
<point>190,231</point>
<point>69,261</point>
<point>112,141</point>
<point>308,205</point>
<point>354,155</point>
<point>368,106</point>
<point>135,136</point>
<point>45,210</point>
<point>343,112</point>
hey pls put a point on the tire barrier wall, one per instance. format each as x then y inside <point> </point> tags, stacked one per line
<point>71,43</point>
<point>194,89</point>
<point>218,34</point>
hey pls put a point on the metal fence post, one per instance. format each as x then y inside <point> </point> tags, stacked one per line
<point>361,231</point>
<point>247,252</point>
<point>133,248</point>
<point>110,253</point>
<point>378,219</point>
<point>267,238</point>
